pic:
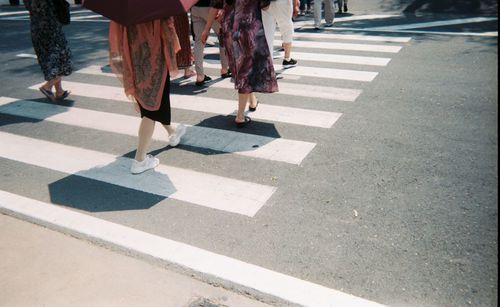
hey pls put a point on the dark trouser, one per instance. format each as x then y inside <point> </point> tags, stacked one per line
<point>303,4</point>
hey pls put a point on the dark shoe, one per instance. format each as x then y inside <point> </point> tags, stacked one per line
<point>50,96</point>
<point>243,124</point>
<point>345,8</point>
<point>63,96</point>
<point>226,75</point>
<point>288,64</point>
<point>202,82</point>
<point>339,11</point>
<point>253,109</point>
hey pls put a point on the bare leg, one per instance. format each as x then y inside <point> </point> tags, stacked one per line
<point>288,50</point>
<point>49,84</point>
<point>170,129</point>
<point>146,130</point>
<point>243,99</point>
<point>252,100</point>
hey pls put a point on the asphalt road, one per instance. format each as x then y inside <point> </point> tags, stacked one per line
<point>396,203</point>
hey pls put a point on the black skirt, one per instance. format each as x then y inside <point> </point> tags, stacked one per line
<point>161,115</point>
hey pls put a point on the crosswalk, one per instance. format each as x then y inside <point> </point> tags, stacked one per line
<point>206,190</point>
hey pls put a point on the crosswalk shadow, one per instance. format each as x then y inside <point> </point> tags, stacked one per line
<point>111,187</point>
<point>10,116</point>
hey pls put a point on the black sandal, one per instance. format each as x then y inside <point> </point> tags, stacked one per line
<point>255,108</point>
<point>63,96</point>
<point>202,82</point>
<point>243,124</point>
<point>48,93</point>
<point>226,75</point>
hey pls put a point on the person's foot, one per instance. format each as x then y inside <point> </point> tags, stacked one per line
<point>48,93</point>
<point>189,73</point>
<point>339,11</point>
<point>175,138</point>
<point>242,123</point>
<point>202,82</point>
<point>225,75</point>
<point>345,8</point>
<point>62,95</point>
<point>149,162</point>
<point>289,63</point>
<point>328,24</point>
<point>253,108</point>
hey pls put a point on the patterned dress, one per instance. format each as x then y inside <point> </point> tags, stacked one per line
<point>49,41</point>
<point>183,30</point>
<point>243,36</point>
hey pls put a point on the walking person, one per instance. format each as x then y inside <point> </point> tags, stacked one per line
<point>185,55</point>
<point>342,4</point>
<point>280,12</point>
<point>250,61</point>
<point>329,13</point>
<point>305,7</point>
<point>51,47</point>
<point>143,58</point>
<point>199,17</point>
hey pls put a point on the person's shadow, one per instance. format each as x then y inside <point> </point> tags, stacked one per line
<point>112,187</point>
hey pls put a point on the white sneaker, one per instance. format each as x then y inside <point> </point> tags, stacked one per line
<point>149,162</point>
<point>175,138</point>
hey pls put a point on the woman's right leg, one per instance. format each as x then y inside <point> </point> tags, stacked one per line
<point>243,99</point>
<point>198,17</point>
<point>146,130</point>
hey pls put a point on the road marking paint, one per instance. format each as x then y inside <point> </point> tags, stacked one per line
<point>272,113</point>
<point>357,37</point>
<point>342,46</point>
<point>266,281</point>
<point>275,149</point>
<point>27,55</point>
<point>339,58</point>
<point>435,23</point>
<point>343,74</point>
<point>318,72</point>
<point>300,24</point>
<point>211,191</point>
<point>14,13</point>
<point>304,90</point>
<point>433,32</point>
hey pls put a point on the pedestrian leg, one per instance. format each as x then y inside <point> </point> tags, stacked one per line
<point>146,130</point>
<point>329,12</point>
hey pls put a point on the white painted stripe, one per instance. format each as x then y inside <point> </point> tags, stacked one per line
<point>86,17</point>
<point>201,189</point>
<point>342,46</point>
<point>299,24</point>
<point>356,37</point>
<point>433,32</point>
<point>275,149</point>
<point>289,115</point>
<point>304,90</point>
<point>436,23</point>
<point>286,287</point>
<point>27,55</point>
<point>343,74</point>
<point>327,73</point>
<point>14,13</point>
<point>339,58</point>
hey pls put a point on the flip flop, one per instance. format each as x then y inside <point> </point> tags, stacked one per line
<point>243,124</point>
<point>50,96</point>
<point>64,95</point>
